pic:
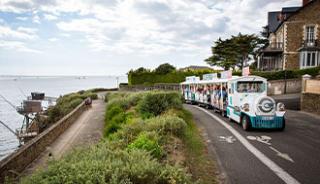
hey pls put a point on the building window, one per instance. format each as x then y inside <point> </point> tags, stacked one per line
<point>310,37</point>
<point>309,59</point>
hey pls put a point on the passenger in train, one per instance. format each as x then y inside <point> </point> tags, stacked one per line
<point>217,94</point>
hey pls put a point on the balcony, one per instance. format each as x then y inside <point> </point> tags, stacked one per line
<point>274,47</point>
<point>310,43</point>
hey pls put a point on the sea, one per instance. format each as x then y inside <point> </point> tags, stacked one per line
<point>16,88</point>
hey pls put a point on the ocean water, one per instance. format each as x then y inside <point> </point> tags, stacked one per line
<point>15,89</point>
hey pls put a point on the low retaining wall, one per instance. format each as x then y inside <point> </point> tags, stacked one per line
<point>310,102</point>
<point>277,87</point>
<point>166,87</point>
<point>20,159</point>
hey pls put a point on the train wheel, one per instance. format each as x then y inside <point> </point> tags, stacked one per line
<point>223,113</point>
<point>245,122</point>
<point>283,125</point>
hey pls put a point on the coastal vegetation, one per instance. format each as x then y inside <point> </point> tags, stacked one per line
<point>148,77</point>
<point>164,73</point>
<point>148,138</point>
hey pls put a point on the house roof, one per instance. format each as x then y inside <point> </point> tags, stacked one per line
<point>290,9</point>
<point>297,11</point>
<point>194,67</point>
<point>273,22</point>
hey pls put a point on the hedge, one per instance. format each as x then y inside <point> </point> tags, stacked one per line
<point>150,78</point>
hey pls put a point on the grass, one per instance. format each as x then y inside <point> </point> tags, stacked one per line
<point>201,165</point>
<point>141,144</point>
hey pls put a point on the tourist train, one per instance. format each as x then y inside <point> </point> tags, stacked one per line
<point>242,99</point>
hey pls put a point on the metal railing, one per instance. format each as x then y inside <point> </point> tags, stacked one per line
<point>275,46</point>
<point>310,43</point>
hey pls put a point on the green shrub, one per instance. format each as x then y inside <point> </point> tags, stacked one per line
<point>167,125</point>
<point>100,164</point>
<point>154,103</point>
<point>150,77</point>
<point>147,141</point>
<point>112,110</point>
<point>130,131</point>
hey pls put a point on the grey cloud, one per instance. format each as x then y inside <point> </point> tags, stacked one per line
<point>20,5</point>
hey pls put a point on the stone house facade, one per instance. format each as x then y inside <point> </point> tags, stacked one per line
<point>294,41</point>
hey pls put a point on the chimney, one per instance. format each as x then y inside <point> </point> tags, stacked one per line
<point>305,2</point>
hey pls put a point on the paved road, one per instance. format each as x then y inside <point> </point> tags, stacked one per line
<point>292,156</point>
<point>85,131</point>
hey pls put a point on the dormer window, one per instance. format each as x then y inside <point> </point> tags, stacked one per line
<point>310,35</point>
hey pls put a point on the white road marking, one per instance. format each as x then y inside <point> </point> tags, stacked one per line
<point>282,155</point>
<point>282,174</point>
<point>263,139</point>
<point>228,139</point>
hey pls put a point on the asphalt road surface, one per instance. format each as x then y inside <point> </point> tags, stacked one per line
<point>263,156</point>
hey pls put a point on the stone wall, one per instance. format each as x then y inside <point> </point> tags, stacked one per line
<point>277,87</point>
<point>166,87</point>
<point>20,159</point>
<point>310,103</point>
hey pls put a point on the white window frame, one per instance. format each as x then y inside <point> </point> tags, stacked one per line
<point>309,59</point>
<point>310,33</point>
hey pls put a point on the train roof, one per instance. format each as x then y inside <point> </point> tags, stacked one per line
<point>218,80</point>
<point>251,77</point>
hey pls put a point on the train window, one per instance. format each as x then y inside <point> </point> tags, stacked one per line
<point>250,87</point>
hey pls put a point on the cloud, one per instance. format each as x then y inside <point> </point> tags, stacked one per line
<point>50,17</point>
<point>53,39</point>
<point>17,46</point>
<point>15,6</point>
<point>36,19</point>
<point>148,28</point>
<point>20,33</point>
<point>22,18</point>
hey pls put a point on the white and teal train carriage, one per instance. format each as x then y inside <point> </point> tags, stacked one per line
<point>242,99</point>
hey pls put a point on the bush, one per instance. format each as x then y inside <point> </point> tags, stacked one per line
<point>100,164</point>
<point>289,74</point>
<point>154,103</point>
<point>129,132</point>
<point>147,141</point>
<point>151,78</point>
<point>167,124</point>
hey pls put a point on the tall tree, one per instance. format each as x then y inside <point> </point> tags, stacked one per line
<point>235,51</point>
<point>165,68</point>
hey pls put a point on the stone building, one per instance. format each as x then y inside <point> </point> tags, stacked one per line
<point>293,34</point>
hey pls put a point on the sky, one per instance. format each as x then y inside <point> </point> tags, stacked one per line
<point>110,37</point>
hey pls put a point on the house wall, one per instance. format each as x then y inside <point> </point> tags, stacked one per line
<point>295,32</point>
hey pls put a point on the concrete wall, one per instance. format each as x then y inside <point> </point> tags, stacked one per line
<point>20,159</point>
<point>310,102</point>
<point>276,87</point>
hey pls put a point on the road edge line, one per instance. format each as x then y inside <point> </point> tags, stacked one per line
<point>281,173</point>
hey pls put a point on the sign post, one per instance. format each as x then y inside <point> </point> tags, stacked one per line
<point>246,71</point>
